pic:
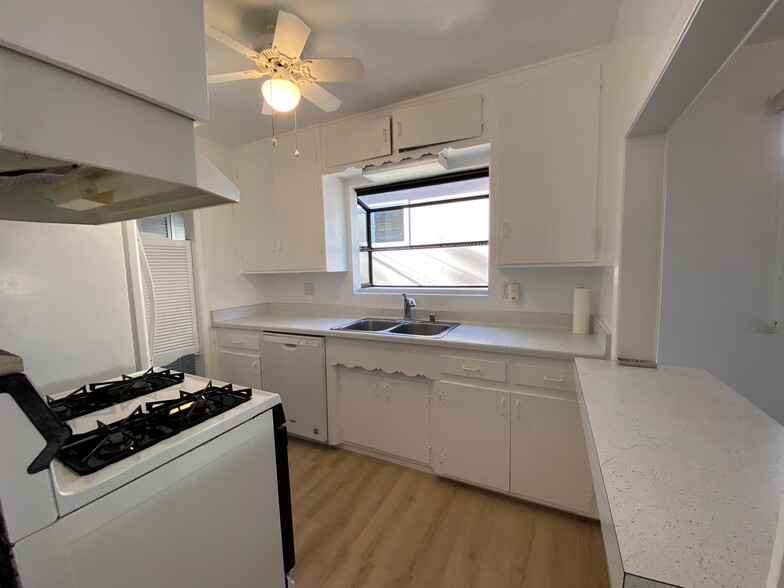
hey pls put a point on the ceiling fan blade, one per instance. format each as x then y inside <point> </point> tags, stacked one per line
<point>233,76</point>
<point>336,70</point>
<point>230,42</point>
<point>266,109</point>
<point>326,101</point>
<point>291,34</point>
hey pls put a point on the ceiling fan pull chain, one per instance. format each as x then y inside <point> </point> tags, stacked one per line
<point>274,140</point>
<point>296,139</point>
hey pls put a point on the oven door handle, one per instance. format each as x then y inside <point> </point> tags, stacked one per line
<point>52,429</point>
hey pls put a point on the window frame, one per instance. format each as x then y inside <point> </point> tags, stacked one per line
<point>448,178</point>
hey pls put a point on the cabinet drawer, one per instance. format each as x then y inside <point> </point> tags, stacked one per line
<point>481,369</point>
<point>238,339</point>
<point>543,377</point>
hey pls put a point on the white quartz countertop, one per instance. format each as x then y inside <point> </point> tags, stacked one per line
<point>693,474</point>
<point>535,341</point>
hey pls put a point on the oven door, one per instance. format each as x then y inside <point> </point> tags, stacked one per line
<point>208,518</point>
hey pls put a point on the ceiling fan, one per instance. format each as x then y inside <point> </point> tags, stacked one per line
<point>289,76</point>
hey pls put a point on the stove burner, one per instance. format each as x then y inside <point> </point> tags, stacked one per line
<point>100,395</point>
<point>89,452</point>
<point>115,447</point>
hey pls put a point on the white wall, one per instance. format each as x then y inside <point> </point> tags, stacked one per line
<point>720,230</point>
<point>645,35</point>
<point>64,303</point>
<point>543,290</point>
<point>218,259</point>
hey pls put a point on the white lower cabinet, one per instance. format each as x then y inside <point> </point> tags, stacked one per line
<point>241,368</point>
<point>360,409</point>
<point>472,434</point>
<point>386,414</point>
<point>549,461</point>
<point>239,356</point>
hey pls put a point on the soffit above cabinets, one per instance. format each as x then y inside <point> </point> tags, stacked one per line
<point>409,48</point>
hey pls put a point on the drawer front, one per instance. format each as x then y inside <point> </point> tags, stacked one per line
<point>238,339</point>
<point>554,378</point>
<point>468,367</point>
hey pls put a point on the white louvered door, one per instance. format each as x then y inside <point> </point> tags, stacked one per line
<point>169,299</point>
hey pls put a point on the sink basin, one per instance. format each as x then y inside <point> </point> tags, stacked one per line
<point>369,324</point>
<point>382,326</point>
<point>422,329</point>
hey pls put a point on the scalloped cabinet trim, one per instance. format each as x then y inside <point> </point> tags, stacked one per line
<point>390,358</point>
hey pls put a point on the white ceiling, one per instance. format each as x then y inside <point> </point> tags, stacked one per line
<point>771,28</point>
<point>408,47</point>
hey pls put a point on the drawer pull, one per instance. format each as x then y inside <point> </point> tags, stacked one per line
<point>517,409</point>
<point>469,368</point>
<point>503,406</point>
<point>549,379</point>
<point>237,341</point>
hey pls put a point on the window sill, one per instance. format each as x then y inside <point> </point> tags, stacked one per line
<point>420,291</point>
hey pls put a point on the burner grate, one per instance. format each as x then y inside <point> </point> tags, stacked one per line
<point>92,397</point>
<point>89,452</point>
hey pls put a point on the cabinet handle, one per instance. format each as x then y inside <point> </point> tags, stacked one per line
<point>441,398</point>
<point>255,367</point>
<point>384,136</point>
<point>517,409</point>
<point>506,230</point>
<point>549,379</point>
<point>399,128</point>
<point>273,246</point>
<point>375,388</point>
<point>503,406</point>
<point>280,245</point>
<point>236,341</point>
<point>469,368</point>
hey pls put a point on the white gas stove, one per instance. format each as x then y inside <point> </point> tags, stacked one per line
<point>164,480</point>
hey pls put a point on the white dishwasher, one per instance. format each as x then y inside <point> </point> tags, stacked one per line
<point>294,367</point>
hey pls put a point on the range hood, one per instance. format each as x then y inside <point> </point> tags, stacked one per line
<point>73,150</point>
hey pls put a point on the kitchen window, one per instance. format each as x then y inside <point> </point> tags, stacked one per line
<point>427,233</point>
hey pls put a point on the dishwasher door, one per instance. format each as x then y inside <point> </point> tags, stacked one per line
<point>294,367</point>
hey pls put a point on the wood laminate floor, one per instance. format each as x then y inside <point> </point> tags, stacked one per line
<point>361,521</point>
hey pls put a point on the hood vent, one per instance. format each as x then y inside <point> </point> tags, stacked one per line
<point>91,154</point>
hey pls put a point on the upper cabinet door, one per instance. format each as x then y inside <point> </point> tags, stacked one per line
<point>437,122</point>
<point>357,142</point>
<point>256,209</point>
<point>153,49</point>
<point>299,206</point>
<point>545,168</point>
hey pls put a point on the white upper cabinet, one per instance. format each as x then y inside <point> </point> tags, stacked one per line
<point>153,49</point>
<point>377,137</point>
<point>256,210</point>
<point>545,165</point>
<point>282,208</point>
<point>357,142</point>
<point>299,215</point>
<point>437,122</point>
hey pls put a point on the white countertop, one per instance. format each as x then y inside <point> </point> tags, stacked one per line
<point>693,473</point>
<point>540,342</point>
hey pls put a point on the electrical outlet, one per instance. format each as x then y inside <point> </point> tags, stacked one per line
<point>310,289</point>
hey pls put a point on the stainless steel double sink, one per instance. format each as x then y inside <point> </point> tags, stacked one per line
<point>383,326</point>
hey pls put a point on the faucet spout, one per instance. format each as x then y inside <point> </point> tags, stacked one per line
<point>408,304</point>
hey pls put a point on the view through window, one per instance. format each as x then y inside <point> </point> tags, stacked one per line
<point>429,233</point>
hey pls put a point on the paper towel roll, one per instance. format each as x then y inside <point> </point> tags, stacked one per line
<point>581,317</point>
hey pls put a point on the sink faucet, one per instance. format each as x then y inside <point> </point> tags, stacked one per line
<point>408,304</point>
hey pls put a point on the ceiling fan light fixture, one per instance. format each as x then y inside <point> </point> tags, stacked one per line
<point>281,94</point>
